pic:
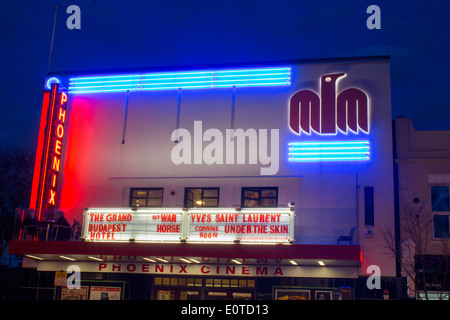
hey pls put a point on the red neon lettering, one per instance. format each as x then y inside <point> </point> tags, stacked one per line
<point>60,131</point>
<point>63,98</point>
<point>54,181</point>
<point>62,114</point>
<point>52,197</point>
<point>55,166</point>
<point>101,266</point>
<point>58,147</point>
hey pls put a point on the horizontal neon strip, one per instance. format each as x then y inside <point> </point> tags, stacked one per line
<point>152,78</point>
<point>329,159</point>
<point>183,74</point>
<point>178,84</point>
<point>329,151</point>
<point>183,80</point>
<point>330,143</point>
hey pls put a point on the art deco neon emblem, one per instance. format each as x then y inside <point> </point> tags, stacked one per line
<point>346,111</point>
<point>331,113</point>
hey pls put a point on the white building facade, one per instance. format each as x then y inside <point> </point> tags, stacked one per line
<point>285,157</point>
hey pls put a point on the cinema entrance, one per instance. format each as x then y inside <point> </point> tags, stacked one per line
<point>196,288</point>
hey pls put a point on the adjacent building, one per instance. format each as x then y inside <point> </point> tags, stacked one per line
<point>422,160</point>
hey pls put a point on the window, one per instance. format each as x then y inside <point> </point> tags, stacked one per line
<point>440,198</point>
<point>259,197</point>
<point>369,216</point>
<point>201,197</point>
<point>441,226</point>
<point>440,205</point>
<point>146,197</point>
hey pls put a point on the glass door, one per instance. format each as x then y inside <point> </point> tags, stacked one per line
<point>217,295</point>
<point>228,294</point>
<point>165,294</point>
<point>189,295</point>
<point>242,296</point>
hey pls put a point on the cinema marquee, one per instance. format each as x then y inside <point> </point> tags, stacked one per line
<point>213,225</point>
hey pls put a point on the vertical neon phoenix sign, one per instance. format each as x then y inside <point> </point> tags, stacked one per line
<point>49,151</point>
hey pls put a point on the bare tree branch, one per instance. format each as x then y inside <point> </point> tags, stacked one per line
<point>416,231</point>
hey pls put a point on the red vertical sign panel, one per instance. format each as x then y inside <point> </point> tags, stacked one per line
<point>49,151</point>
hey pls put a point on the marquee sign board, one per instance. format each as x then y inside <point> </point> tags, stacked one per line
<point>215,225</point>
<point>194,269</point>
<point>228,225</point>
<point>118,224</point>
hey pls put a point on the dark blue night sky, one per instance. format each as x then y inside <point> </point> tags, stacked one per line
<point>140,34</point>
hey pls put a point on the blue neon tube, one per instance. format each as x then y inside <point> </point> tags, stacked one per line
<point>183,80</point>
<point>329,151</point>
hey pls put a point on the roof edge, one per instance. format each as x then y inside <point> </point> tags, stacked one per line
<point>378,58</point>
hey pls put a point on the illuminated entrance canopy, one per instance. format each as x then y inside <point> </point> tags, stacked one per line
<point>214,225</point>
<point>182,80</point>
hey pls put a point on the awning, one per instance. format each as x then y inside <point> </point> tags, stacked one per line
<point>192,259</point>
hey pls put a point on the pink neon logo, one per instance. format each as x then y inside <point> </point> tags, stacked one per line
<point>348,110</point>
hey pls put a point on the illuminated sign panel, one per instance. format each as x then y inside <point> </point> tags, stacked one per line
<point>50,147</point>
<point>157,224</point>
<point>247,225</point>
<point>331,113</point>
<point>263,269</point>
<point>346,111</point>
<point>268,225</point>
<point>57,145</point>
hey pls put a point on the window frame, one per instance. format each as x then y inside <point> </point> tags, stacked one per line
<point>448,198</point>
<point>259,190</point>
<point>435,213</point>
<point>147,198</point>
<point>186,189</point>
<point>369,206</point>
<point>441,214</point>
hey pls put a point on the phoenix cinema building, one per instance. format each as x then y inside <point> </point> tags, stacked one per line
<point>256,181</point>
